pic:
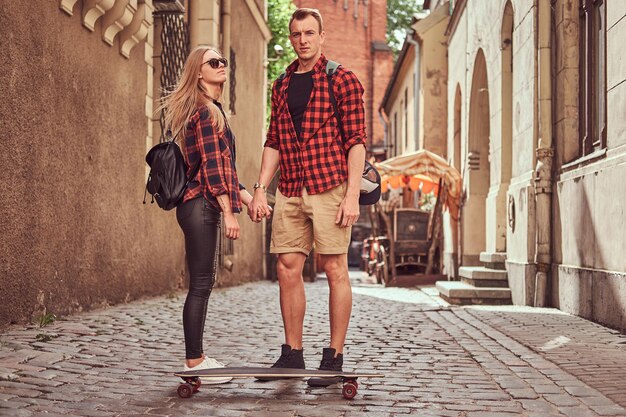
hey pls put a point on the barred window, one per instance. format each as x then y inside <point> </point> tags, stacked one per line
<point>175,48</point>
<point>592,79</point>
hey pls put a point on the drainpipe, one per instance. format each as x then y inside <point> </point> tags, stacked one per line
<point>416,87</point>
<point>225,19</point>
<point>384,119</point>
<point>544,153</point>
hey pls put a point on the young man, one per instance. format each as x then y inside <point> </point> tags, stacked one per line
<point>318,193</point>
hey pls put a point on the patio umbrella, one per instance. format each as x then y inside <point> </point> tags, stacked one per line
<point>420,164</point>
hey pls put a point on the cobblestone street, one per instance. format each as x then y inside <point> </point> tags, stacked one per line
<point>438,360</point>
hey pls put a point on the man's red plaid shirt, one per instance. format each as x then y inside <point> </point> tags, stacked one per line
<point>318,161</point>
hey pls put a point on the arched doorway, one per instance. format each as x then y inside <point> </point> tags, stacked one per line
<point>477,171</point>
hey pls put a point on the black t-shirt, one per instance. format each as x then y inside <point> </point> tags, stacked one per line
<point>298,94</point>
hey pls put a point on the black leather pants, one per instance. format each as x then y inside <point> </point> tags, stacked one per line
<point>201,224</point>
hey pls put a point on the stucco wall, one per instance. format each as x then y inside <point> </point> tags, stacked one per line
<point>433,80</point>
<point>588,271</point>
<point>511,165</point>
<point>520,239</point>
<point>589,275</point>
<point>248,123</point>
<point>457,64</point>
<point>402,134</point>
<point>74,231</point>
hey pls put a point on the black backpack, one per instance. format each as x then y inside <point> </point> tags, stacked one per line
<point>168,180</point>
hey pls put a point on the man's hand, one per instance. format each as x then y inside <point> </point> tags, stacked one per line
<point>258,207</point>
<point>348,212</point>
<point>232,225</point>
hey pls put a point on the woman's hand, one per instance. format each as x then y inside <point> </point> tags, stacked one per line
<point>232,226</point>
<point>245,196</point>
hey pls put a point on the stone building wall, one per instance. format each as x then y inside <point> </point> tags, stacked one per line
<point>79,91</point>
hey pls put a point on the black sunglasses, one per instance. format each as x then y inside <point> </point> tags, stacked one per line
<point>215,62</point>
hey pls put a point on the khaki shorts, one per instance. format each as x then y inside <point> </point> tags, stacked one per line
<point>299,222</point>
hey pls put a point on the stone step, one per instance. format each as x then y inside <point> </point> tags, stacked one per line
<point>494,260</point>
<point>461,293</point>
<point>480,276</point>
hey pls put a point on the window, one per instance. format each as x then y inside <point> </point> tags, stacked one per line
<point>406,119</point>
<point>592,78</point>
<point>395,133</point>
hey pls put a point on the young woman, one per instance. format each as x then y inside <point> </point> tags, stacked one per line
<point>194,110</point>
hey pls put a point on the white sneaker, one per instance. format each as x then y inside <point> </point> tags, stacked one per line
<point>209,363</point>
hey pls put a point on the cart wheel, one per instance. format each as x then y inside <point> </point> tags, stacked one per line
<point>382,271</point>
<point>185,390</point>
<point>349,390</point>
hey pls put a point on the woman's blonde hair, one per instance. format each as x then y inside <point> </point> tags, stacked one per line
<point>189,94</point>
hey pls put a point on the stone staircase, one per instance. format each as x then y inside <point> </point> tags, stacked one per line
<point>486,284</point>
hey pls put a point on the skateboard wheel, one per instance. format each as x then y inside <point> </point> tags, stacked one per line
<point>185,390</point>
<point>351,381</point>
<point>349,390</point>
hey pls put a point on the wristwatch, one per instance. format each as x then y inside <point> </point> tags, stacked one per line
<point>259,185</point>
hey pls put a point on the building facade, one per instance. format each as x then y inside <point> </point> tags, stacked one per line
<point>536,98</point>
<point>81,82</point>
<point>417,90</point>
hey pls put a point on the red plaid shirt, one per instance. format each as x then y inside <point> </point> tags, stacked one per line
<point>318,161</point>
<point>217,174</point>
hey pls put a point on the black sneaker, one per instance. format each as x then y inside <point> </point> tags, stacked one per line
<point>289,358</point>
<point>329,363</point>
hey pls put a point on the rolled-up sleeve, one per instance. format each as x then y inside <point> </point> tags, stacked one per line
<point>272,140</point>
<point>212,164</point>
<point>352,109</point>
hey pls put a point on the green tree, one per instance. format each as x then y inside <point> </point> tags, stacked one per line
<point>399,18</point>
<point>279,12</point>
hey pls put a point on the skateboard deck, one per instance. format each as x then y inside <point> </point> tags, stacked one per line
<point>192,378</point>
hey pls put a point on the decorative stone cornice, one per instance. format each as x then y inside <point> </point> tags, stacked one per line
<point>116,19</point>
<point>67,6</point>
<point>131,19</point>
<point>93,9</point>
<point>138,28</point>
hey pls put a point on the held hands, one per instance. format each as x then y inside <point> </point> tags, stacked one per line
<point>258,207</point>
<point>348,212</point>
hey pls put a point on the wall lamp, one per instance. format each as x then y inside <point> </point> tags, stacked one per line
<point>278,51</point>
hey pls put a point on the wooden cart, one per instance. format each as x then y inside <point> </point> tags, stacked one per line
<point>408,241</point>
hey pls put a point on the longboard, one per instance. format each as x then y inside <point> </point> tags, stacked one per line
<point>192,378</point>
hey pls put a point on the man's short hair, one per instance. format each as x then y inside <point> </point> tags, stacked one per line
<point>302,13</point>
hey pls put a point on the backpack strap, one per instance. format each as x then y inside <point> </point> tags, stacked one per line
<point>331,68</point>
<point>196,167</point>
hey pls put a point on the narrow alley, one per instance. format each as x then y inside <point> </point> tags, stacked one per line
<point>438,360</point>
